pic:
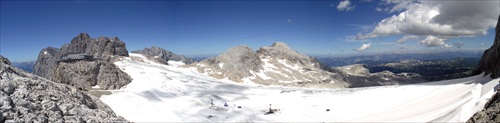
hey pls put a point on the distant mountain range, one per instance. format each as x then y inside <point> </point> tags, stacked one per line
<point>394,57</point>
<point>26,66</point>
<point>430,70</point>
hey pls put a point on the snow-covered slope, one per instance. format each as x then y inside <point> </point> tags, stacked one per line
<point>170,93</point>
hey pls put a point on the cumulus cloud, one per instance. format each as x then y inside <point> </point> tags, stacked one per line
<point>432,23</point>
<point>364,47</point>
<point>345,6</point>
<point>433,41</point>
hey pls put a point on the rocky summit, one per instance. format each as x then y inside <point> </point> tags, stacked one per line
<point>30,98</point>
<point>277,64</point>
<point>161,55</point>
<point>235,64</point>
<point>98,70</point>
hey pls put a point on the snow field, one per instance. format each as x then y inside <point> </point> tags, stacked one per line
<point>169,93</point>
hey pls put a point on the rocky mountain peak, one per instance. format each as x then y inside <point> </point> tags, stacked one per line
<point>237,51</point>
<point>276,64</point>
<point>240,57</point>
<point>161,55</point>
<point>280,45</point>
<point>84,73</point>
<point>81,37</point>
<point>234,64</point>
<point>280,50</point>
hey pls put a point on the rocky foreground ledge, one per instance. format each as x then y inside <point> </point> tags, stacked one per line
<point>29,98</point>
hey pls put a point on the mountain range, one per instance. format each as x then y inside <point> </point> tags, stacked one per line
<point>394,57</point>
<point>26,66</point>
<point>273,83</point>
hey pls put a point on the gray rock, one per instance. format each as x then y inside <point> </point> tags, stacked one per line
<point>489,113</point>
<point>31,98</point>
<point>234,64</point>
<point>46,61</point>
<point>277,64</point>
<point>161,55</point>
<point>490,60</point>
<point>85,73</point>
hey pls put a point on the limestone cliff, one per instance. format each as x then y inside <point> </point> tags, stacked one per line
<point>84,73</point>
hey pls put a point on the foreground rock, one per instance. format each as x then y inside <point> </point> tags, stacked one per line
<point>490,64</point>
<point>490,111</point>
<point>30,98</point>
<point>274,65</point>
<point>99,71</point>
<point>162,56</point>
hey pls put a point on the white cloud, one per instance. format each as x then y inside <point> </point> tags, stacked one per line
<point>345,6</point>
<point>407,38</point>
<point>448,46</point>
<point>364,47</point>
<point>437,21</point>
<point>433,41</point>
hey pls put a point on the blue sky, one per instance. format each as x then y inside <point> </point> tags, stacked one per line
<point>197,28</point>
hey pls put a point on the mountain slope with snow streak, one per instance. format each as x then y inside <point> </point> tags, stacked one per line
<point>170,93</point>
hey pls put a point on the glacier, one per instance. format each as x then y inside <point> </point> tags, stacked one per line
<point>171,93</point>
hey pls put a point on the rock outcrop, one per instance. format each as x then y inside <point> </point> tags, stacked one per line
<point>490,64</point>
<point>84,73</point>
<point>490,61</point>
<point>490,111</point>
<point>277,64</point>
<point>29,98</point>
<point>161,55</point>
